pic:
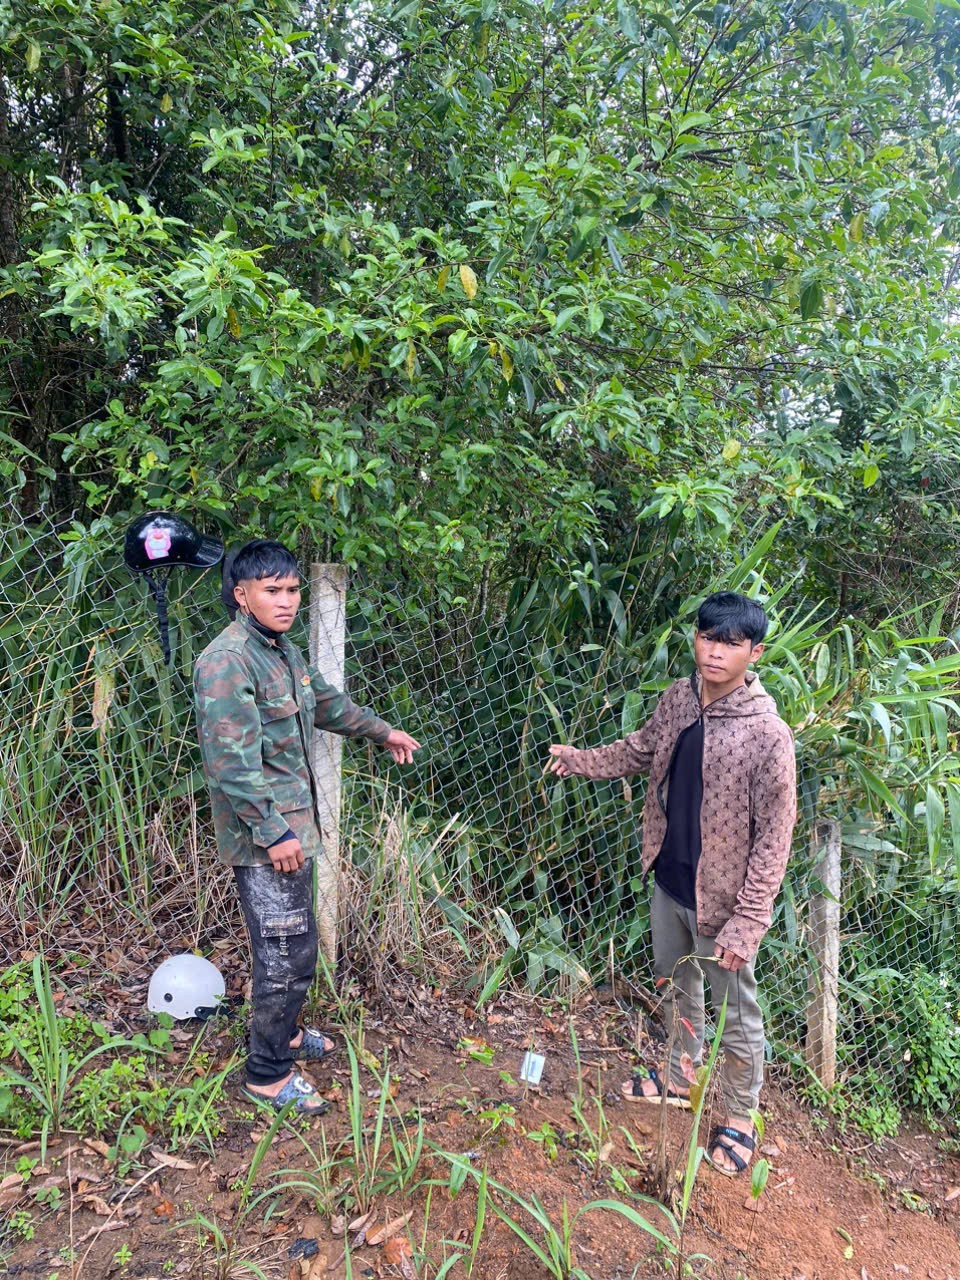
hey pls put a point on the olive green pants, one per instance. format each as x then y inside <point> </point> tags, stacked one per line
<point>683,958</point>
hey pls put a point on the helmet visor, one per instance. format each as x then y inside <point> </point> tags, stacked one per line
<point>209,552</point>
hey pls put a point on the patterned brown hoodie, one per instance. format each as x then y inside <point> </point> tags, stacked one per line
<point>749,801</point>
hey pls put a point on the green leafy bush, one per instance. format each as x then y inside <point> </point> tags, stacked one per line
<point>930,1012</point>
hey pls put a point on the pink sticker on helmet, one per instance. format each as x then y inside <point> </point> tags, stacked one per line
<point>156,543</point>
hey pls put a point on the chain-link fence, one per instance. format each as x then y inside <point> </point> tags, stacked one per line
<point>470,865</point>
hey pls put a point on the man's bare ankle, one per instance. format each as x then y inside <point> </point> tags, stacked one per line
<point>270,1090</point>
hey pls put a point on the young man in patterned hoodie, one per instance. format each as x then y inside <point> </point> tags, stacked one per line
<point>717,825</point>
<point>258,704</point>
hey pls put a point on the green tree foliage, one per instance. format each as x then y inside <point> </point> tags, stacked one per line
<point>475,287</point>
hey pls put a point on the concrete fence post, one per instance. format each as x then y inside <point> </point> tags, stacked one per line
<point>328,628</point>
<point>820,1048</point>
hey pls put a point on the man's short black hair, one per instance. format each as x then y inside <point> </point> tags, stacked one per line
<point>732,618</point>
<point>262,558</point>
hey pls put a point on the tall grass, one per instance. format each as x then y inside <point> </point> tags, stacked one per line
<point>96,755</point>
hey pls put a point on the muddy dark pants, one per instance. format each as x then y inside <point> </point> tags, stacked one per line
<point>278,910</point>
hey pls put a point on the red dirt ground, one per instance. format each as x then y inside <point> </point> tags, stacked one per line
<point>829,1212</point>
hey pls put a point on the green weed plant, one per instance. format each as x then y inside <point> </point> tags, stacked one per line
<point>72,1074</point>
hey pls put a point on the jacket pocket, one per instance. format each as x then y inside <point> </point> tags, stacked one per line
<point>278,720</point>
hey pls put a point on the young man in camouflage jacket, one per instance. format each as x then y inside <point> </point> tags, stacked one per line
<point>717,826</point>
<point>258,704</point>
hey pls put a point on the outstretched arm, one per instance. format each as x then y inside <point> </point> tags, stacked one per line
<point>337,713</point>
<point>629,755</point>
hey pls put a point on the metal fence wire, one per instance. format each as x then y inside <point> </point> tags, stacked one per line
<point>468,865</point>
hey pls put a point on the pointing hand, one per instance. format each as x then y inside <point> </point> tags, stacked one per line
<point>563,763</point>
<point>401,746</point>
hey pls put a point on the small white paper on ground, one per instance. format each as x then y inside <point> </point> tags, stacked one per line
<point>531,1068</point>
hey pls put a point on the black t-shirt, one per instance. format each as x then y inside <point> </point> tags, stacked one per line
<point>675,870</point>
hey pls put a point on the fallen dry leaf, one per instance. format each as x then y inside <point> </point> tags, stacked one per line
<point>391,1229</point>
<point>395,1250</point>
<point>318,1266</point>
<point>369,1060</point>
<point>164,1209</point>
<point>338,1225</point>
<point>171,1162</point>
<point>11,1189</point>
<point>95,1145</point>
<point>474,1044</point>
<point>951,1195</point>
<point>117,1224</point>
<point>97,1204</point>
<point>366,1221</point>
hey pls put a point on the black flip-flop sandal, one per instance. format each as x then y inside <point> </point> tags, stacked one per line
<point>717,1134</point>
<point>312,1047</point>
<point>298,1094</point>
<point>663,1097</point>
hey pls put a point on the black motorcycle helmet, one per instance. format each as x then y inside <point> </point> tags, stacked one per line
<point>154,544</point>
<point>160,538</point>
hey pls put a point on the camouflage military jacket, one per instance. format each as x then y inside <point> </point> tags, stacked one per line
<point>257,706</point>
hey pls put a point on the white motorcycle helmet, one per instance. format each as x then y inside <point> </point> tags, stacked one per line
<point>186,986</point>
